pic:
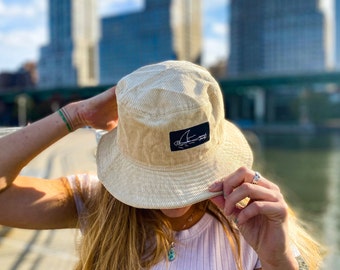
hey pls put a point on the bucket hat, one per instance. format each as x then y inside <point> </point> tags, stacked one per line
<point>172,140</point>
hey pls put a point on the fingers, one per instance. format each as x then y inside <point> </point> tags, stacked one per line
<point>251,191</point>
<point>99,111</point>
<point>110,125</point>
<point>104,97</point>
<point>265,197</point>
<point>242,175</point>
<point>274,211</point>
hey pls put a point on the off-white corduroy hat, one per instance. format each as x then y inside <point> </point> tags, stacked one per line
<point>172,140</point>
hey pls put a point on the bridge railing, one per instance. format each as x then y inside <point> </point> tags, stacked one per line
<point>303,99</point>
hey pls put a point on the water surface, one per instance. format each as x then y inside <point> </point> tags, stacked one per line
<point>307,168</point>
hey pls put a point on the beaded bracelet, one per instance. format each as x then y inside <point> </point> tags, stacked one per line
<point>65,119</point>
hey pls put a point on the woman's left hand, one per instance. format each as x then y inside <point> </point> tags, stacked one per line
<point>263,221</point>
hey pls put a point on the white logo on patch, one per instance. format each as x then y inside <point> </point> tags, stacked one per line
<point>186,140</point>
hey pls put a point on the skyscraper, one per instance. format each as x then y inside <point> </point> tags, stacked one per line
<point>276,36</point>
<point>187,29</point>
<point>337,34</point>
<point>163,30</point>
<point>71,57</point>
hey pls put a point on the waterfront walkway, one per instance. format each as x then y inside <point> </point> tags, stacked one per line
<point>49,249</point>
<point>37,250</point>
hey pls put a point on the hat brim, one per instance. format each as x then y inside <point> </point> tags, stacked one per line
<point>143,186</point>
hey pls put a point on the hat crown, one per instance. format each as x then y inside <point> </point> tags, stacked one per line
<point>169,114</point>
<point>172,141</point>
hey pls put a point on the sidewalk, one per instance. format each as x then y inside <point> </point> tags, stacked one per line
<point>38,250</point>
<point>49,249</point>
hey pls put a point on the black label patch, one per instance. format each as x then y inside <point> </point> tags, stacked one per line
<point>190,137</point>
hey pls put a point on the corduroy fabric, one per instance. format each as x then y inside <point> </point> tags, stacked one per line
<point>136,161</point>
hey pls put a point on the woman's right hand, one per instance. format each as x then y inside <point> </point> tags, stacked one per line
<point>99,111</point>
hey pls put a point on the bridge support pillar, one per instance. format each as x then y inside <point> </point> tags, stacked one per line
<point>259,105</point>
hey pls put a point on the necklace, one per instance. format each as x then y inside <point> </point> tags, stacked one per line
<point>171,252</point>
<point>191,217</point>
<point>185,221</point>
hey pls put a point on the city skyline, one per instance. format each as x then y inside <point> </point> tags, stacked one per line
<point>71,57</point>
<point>163,30</point>
<point>285,37</point>
<point>24,28</point>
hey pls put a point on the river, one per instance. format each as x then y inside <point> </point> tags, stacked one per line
<point>307,168</point>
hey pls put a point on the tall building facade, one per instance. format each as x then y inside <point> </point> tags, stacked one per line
<point>71,57</point>
<point>186,26</point>
<point>337,33</point>
<point>276,36</point>
<point>163,30</point>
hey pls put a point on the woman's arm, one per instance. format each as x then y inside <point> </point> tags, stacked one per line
<point>37,203</point>
<point>20,147</point>
<point>33,203</point>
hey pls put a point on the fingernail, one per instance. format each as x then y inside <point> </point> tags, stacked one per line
<point>213,186</point>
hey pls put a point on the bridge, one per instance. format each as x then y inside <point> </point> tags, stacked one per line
<point>252,98</point>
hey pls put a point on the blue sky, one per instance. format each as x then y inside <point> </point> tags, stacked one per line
<point>23,28</point>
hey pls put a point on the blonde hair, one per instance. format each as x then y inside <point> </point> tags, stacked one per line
<point>310,250</point>
<point>118,236</point>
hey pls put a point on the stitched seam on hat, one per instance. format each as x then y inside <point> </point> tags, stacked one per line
<point>176,110</point>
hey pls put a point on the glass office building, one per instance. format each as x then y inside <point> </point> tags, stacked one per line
<point>71,56</point>
<point>153,34</point>
<point>275,37</point>
<point>337,33</point>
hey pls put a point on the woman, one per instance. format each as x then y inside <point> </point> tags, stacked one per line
<point>175,190</point>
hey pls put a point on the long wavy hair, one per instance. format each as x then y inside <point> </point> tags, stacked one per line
<point>117,236</point>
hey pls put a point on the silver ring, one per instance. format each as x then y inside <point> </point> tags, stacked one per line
<point>256,178</point>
